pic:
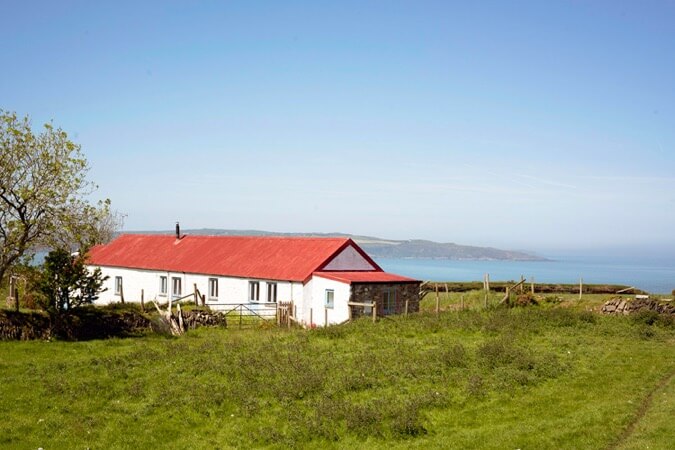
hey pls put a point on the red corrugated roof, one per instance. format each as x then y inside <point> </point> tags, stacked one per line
<point>274,258</point>
<point>365,277</point>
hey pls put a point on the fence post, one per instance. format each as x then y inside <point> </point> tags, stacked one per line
<point>406,307</point>
<point>196,294</point>
<point>486,285</point>
<point>311,317</point>
<point>438,301</point>
<point>374,308</point>
<point>14,291</point>
<point>325,316</point>
<point>142,300</point>
<point>581,287</point>
<point>122,293</point>
<point>241,312</point>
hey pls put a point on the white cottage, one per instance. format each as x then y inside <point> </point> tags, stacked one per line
<point>319,275</point>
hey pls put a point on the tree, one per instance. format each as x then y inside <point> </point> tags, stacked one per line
<point>43,190</point>
<point>66,283</point>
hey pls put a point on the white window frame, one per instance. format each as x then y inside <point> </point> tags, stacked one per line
<point>175,294</point>
<point>118,285</point>
<point>163,285</point>
<point>254,291</point>
<point>213,293</point>
<point>271,292</point>
<point>329,299</point>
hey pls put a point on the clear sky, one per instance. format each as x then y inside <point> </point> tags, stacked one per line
<point>528,125</point>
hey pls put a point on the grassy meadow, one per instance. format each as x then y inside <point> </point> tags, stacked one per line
<point>538,377</point>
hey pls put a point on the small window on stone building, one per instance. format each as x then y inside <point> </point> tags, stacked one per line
<point>389,301</point>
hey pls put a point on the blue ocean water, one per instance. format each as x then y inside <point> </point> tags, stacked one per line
<point>657,276</point>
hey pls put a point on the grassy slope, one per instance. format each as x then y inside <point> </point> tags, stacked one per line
<point>535,378</point>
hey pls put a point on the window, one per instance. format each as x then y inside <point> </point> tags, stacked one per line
<point>163,286</point>
<point>330,298</point>
<point>118,285</point>
<point>176,287</point>
<point>389,301</point>
<point>254,291</point>
<point>213,288</point>
<point>272,292</point>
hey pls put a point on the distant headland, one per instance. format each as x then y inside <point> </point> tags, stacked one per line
<point>388,248</point>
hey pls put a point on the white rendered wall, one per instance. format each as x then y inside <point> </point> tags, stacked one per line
<point>230,290</point>
<point>340,311</point>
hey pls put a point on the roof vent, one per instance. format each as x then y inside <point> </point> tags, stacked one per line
<point>177,230</point>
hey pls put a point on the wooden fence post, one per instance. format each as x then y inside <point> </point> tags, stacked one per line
<point>581,287</point>
<point>311,317</point>
<point>374,308</point>
<point>142,300</point>
<point>122,293</point>
<point>14,291</point>
<point>532,286</point>
<point>325,319</point>
<point>462,301</point>
<point>406,307</point>
<point>522,282</point>
<point>438,302</point>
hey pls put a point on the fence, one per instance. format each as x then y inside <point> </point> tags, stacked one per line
<point>247,314</point>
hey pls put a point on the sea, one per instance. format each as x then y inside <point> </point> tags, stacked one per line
<point>656,275</point>
<point>650,273</point>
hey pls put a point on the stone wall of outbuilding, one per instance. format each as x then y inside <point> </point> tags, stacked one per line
<point>402,292</point>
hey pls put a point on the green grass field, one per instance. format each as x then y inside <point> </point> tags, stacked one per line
<point>540,377</point>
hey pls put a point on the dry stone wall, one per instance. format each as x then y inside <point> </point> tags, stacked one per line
<point>627,306</point>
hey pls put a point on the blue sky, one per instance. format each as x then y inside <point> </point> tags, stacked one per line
<point>530,125</point>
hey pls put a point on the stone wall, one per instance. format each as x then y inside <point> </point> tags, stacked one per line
<point>368,292</point>
<point>627,306</point>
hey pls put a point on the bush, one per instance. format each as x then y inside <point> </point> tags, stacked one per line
<point>525,299</point>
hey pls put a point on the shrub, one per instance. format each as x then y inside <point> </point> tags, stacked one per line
<point>645,316</point>
<point>475,386</point>
<point>525,299</point>
<point>454,356</point>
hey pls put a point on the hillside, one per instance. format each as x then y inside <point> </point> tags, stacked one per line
<point>388,248</point>
<point>491,379</point>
